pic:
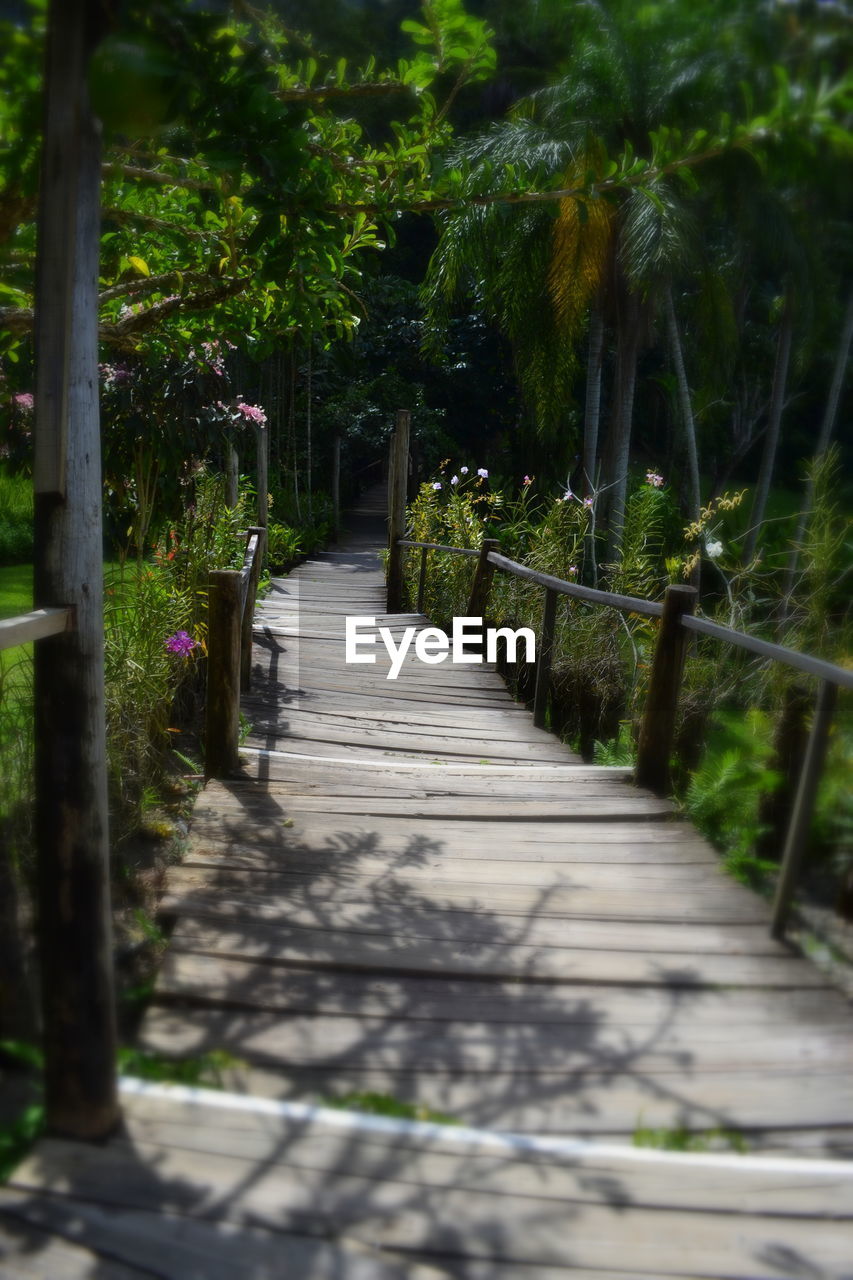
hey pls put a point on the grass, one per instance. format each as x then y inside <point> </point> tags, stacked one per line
<point>16,589</point>
<point>16,517</point>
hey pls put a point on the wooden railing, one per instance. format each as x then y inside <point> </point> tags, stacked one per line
<point>231,603</point>
<point>657,725</point>
<point>37,625</point>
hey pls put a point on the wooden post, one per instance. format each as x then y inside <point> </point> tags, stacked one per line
<point>543,661</point>
<point>263,436</point>
<point>397,486</point>
<point>483,574</point>
<point>658,725</point>
<point>249,609</point>
<point>422,579</point>
<point>798,831</point>
<point>72,838</point>
<point>232,477</point>
<point>222,718</point>
<point>336,487</point>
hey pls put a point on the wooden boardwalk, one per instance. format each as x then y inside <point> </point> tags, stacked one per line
<point>410,891</point>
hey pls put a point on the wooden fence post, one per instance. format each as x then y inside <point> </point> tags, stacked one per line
<point>222,717</point>
<point>71,819</point>
<point>543,661</point>
<point>397,486</point>
<point>798,831</point>
<point>249,610</point>
<point>483,574</point>
<point>263,476</point>
<point>658,724</point>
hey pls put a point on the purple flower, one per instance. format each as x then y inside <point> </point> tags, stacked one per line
<point>181,642</point>
<point>24,400</point>
<point>527,480</point>
<point>463,471</point>
<point>587,502</point>
<point>655,480</point>
<point>568,495</point>
<point>436,484</point>
<point>454,479</point>
<point>482,473</point>
<point>573,568</point>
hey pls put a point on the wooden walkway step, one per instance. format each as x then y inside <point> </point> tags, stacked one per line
<point>410,891</point>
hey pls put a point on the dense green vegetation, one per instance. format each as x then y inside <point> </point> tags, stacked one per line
<point>600,250</point>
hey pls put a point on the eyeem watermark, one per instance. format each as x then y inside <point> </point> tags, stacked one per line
<point>432,645</point>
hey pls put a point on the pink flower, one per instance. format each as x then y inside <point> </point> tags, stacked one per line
<point>252,413</point>
<point>181,642</point>
<point>587,502</point>
<point>527,480</point>
<point>655,480</point>
<point>24,400</point>
<point>572,568</point>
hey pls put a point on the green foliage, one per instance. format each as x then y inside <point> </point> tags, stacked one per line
<point>383,1104</point>
<point>16,518</point>
<point>17,1138</point>
<point>206,1070</point>
<point>723,794</point>
<point>683,1139</point>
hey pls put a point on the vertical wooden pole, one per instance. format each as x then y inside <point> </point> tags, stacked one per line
<point>798,831</point>
<point>222,717</point>
<point>336,486</point>
<point>483,574</point>
<point>543,660</point>
<point>422,579</point>
<point>263,476</point>
<point>72,839</point>
<point>397,486</point>
<point>657,729</point>
<point>249,610</point>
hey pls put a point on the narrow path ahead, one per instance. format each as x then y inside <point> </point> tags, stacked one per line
<point>410,891</point>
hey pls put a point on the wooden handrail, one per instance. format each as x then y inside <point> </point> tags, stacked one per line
<point>629,604</point>
<point>40,623</point>
<point>840,676</point>
<point>659,714</point>
<point>438,546</point>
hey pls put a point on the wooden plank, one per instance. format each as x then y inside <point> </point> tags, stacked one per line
<point>423,1045</point>
<point>422,887</point>
<point>322,947</point>
<point>445,1159</point>
<point>422,920</point>
<point>279,988</point>
<point>28,627</point>
<point>165,1243</point>
<point>449,1221</point>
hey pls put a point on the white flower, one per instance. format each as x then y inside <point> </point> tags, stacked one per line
<point>482,473</point>
<point>713,549</point>
<point>436,484</point>
<point>454,479</point>
<point>463,471</point>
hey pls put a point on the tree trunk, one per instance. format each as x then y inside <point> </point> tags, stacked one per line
<point>232,476</point>
<point>774,422</point>
<point>685,405</point>
<point>592,406</point>
<point>620,430</point>
<point>74,927</point>
<point>826,429</point>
